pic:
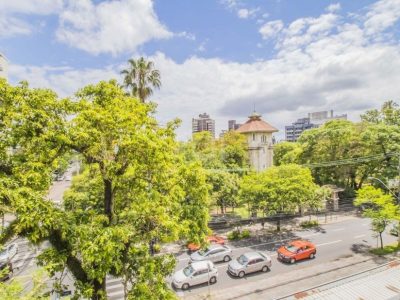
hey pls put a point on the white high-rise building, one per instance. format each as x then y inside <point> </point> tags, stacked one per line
<point>260,142</point>
<point>3,66</point>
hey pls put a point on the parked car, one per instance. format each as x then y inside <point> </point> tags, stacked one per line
<point>212,239</point>
<point>395,230</point>
<point>296,250</point>
<point>8,253</point>
<point>249,262</point>
<point>5,270</point>
<point>196,273</point>
<point>214,253</point>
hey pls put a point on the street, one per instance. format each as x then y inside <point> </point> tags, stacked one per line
<point>333,241</point>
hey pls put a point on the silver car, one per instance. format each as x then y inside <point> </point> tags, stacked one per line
<point>213,253</point>
<point>195,273</point>
<point>248,263</point>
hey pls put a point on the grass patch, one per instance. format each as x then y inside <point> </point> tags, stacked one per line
<point>309,224</point>
<point>386,250</point>
<point>238,235</point>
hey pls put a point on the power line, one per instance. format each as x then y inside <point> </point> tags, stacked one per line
<point>351,161</point>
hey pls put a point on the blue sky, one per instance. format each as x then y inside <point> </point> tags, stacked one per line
<point>288,57</point>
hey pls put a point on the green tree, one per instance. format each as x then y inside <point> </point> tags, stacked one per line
<point>379,207</point>
<point>225,188</point>
<point>344,140</point>
<point>134,188</point>
<point>389,114</point>
<point>141,77</point>
<point>279,190</point>
<point>287,153</point>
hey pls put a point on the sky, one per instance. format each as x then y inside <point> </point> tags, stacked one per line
<point>286,58</point>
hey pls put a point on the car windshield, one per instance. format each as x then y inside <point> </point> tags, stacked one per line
<point>203,252</point>
<point>242,259</point>
<point>188,270</point>
<point>291,248</point>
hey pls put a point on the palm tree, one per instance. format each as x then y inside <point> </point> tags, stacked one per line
<point>140,77</point>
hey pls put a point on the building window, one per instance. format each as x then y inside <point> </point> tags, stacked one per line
<point>254,136</point>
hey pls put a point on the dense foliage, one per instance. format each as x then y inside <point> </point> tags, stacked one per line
<point>134,191</point>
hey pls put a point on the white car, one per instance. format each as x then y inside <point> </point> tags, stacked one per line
<point>248,263</point>
<point>195,273</point>
<point>213,253</point>
<point>8,253</point>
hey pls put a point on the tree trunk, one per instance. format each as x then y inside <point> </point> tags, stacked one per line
<point>108,199</point>
<point>380,236</point>
<point>100,292</point>
<point>278,224</point>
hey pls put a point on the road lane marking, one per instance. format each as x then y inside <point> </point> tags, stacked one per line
<point>359,236</point>
<point>262,244</point>
<point>329,243</point>
<point>338,229</point>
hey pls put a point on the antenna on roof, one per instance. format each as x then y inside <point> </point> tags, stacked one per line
<point>254,107</point>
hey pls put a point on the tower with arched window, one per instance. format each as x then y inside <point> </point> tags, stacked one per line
<point>260,141</point>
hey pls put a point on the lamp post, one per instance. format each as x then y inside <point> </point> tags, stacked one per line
<point>397,197</point>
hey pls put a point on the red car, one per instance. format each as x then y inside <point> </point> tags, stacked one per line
<point>296,250</point>
<point>212,239</point>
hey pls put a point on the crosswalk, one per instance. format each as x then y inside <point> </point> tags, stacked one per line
<point>115,288</point>
<point>25,256</point>
<point>24,260</point>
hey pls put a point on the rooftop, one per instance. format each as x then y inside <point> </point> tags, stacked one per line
<point>255,124</point>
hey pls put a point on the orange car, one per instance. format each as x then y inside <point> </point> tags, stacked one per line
<point>296,250</point>
<point>212,239</point>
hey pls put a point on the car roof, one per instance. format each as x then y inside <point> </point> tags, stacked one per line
<point>215,246</point>
<point>300,243</point>
<point>252,255</point>
<point>199,265</point>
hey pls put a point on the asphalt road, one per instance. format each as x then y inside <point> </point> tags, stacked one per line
<point>332,240</point>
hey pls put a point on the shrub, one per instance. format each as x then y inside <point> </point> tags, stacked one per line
<point>386,250</point>
<point>238,235</point>
<point>309,224</point>
<point>245,234</point>
<point>234,235</point>
<point>157,248</point>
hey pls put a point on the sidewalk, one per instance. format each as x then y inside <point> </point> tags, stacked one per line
<point>288,283</point>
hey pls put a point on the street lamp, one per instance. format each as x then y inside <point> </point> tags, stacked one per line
<point>397,197</point>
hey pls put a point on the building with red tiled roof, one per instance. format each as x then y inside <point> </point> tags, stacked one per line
<point>260,141</point>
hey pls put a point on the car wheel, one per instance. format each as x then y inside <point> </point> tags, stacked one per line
<point>292,260</point>
<point>241,274</point>
<point>264,269</point>
<point>185,286</point>
<point>213,280</point>
<point>227,258</point>
<point>312,255</point>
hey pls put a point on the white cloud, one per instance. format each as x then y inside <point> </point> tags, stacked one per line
<point>381,16</point>
<point>11,23</point>
<point>245,13</point>
<point>39,7</point>
<point>321,63</point>
<point>110,26</point>
<point>271,29</point>
<point>333,7</point>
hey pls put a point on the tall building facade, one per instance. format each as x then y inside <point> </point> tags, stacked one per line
<point>3,66</point>
<point>314,120</point>
<point>293,132</point>
<point>203,123</point>
<point>232,125</point>
<point>260,142</point>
